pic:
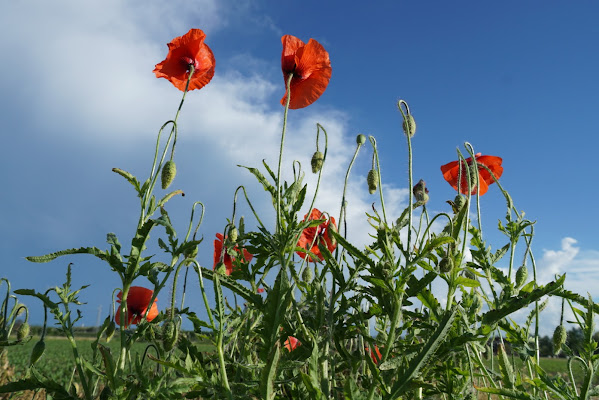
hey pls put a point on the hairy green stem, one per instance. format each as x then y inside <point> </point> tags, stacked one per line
<point>288,86</point>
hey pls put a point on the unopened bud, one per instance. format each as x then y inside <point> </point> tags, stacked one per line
<point>37,352</point>
<point>23,331</point>
<point>110,329</point>
<point>192,252</point>
<point>170,335</point>
<point>169,170</point>
<point>559,338</point>
<point>307,274</point>
<point>360,139</point>
<point>420,192</point>
<point>373,181</point>
<point>317,161</point>
<point>221,268</point>
<point>446,264</point>
<point>521,276</point>
<point>457,203</point>
<point>409,125</point>
<point>233,234</point>
<point>330,228</point>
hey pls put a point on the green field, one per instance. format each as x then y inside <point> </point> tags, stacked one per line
<point>57,362</point>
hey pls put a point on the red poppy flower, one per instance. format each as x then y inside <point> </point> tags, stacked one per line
<point>138,300</point>
<point>375,355</point>
<point>452,170</point>
<point>311,69</point>
<point>228,260</point>
<point>291,343</point>
<point>320,233</point>
<point>183,52</point>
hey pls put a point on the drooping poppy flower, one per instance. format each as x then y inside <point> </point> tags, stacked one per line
<point>291,343</point>
<point>228,260</point>
<point>451,171</point>
<point>185,52</point>
<point>138,301</point>
<point>311,236</point>
<point>311,69</point>
<point>375,355</point>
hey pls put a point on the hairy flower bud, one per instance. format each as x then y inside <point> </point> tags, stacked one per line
<point>360,139</point>
<point>23,331</point>
<point>420,192</point>
<point>521,276</point>
<point>317,161</point>
<point>192,252</point>
<point>169,170</point>
<point>233,234</point>
<point>373,180</point>
<point>409,125</point>
<point>37,352</point>
<point>307,274</point>
<point>170,334</point>
<point>477,303</point>
<point>221,268</point>
<point>559,338</point>
<point>110,329</point>
<point>446,264</point>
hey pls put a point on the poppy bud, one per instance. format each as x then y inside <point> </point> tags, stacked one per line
<point>420,192</point>
<point>169,170</point>
<point>37,352</point>
<point>317,161</point>
<point>477,303</point>
<point>110,330</point>
<point>221,268</point>
<point>457,203</point>
<point>233,234</point>
<point>23,331</point>
<point>360,139</point>
<point>409,125</point>
<point>307,274</point>
<point>559,338</point>
<point>373,180</point>
<point>170,335</point>
<point>446,264</point>
<point>330,228</point>
<point>521,276</point>
<point>191,253</point>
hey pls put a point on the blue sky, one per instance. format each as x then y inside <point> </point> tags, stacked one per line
<point>516,79</point>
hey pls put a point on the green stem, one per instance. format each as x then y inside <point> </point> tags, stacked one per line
<point>288,86</point>
<point>201,280</point>
<point>378,168</point>
<point>410,178</point>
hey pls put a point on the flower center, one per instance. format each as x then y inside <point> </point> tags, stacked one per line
<point>190,62</point>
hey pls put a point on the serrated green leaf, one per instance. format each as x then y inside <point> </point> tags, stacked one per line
<point>81,250</point>
<point>428,350</point>
<point>518,302</point>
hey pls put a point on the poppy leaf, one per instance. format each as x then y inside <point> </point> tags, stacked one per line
<point>169,196</point>
<point>517,302</point>
<point>351,249</point>
<point>45,299</point>
<point>231,284</point>
<point>267,186</point>
<point>81,250</point>
<point>130,178</point>
<point>426,354</point>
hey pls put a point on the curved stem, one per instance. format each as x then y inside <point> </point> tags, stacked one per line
<point>191,220</point>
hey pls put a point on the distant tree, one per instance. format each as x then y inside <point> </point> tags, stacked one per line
<point>575,340</point>
<point>545,346</point>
